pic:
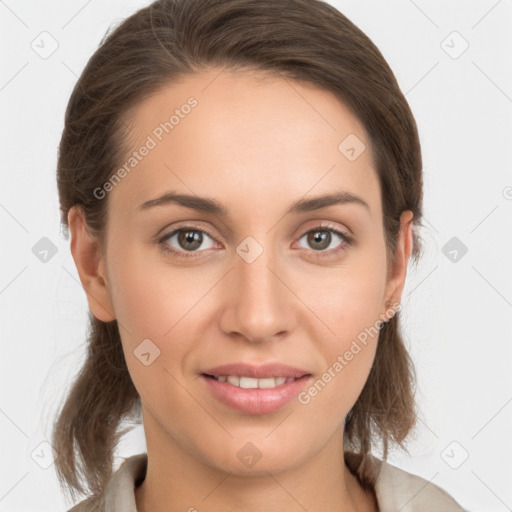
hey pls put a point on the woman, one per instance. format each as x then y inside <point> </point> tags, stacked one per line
<point>243,183</point>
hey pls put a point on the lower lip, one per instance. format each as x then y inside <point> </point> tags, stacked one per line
<point>256,401</point>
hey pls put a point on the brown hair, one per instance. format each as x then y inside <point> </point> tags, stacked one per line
<point>304,40</point>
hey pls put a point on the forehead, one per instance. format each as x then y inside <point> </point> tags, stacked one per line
<point>244,137</point>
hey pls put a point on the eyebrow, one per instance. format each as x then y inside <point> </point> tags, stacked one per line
<point>209,205</point>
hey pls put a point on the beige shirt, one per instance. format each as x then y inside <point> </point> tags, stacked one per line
<point>396,489</point>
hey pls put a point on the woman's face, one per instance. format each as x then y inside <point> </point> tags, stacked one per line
<point>263,283</point>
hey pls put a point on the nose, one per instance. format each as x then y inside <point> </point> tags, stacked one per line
<point>259,304</point>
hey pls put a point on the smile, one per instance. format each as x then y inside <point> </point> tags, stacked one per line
<point>252,395</point>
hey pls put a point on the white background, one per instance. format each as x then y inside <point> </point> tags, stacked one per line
<point>457,314</point>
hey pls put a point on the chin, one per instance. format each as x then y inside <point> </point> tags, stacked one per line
<point>248,458</point>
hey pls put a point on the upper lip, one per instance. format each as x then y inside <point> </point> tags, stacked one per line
<point>269,370</point>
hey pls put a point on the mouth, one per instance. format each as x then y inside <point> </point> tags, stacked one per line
<point>255,389</point>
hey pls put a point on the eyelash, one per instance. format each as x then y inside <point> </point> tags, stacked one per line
<point>346,241</point>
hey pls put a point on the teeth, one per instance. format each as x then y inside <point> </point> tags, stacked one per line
<point>248,383</point>
<point>251,383</point>
<point>267,383</point>
<point>234,381</point>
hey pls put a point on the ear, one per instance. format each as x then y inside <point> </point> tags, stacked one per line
<point>90,264</point>
<point>398,273</point>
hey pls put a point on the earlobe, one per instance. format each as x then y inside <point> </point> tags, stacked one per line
<point>90,265</point>
<point>396,281</point>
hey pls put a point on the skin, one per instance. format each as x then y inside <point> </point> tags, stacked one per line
<point>255,144</point>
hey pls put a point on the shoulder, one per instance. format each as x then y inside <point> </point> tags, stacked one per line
<point>411,493</point>
<point>397,489</point>
<point>118,495</point>
<point>91,504</point>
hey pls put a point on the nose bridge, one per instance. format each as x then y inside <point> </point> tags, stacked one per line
<point>261,301</point>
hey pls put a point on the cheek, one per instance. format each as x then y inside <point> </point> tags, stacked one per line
<point>149,296</point>
<point>346,300</point>
<point>348,352</point>
<point>148,312</point>
<point>346,324</point>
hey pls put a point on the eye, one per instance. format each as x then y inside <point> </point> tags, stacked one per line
<point>188,240</point>
<point>321,238</point>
